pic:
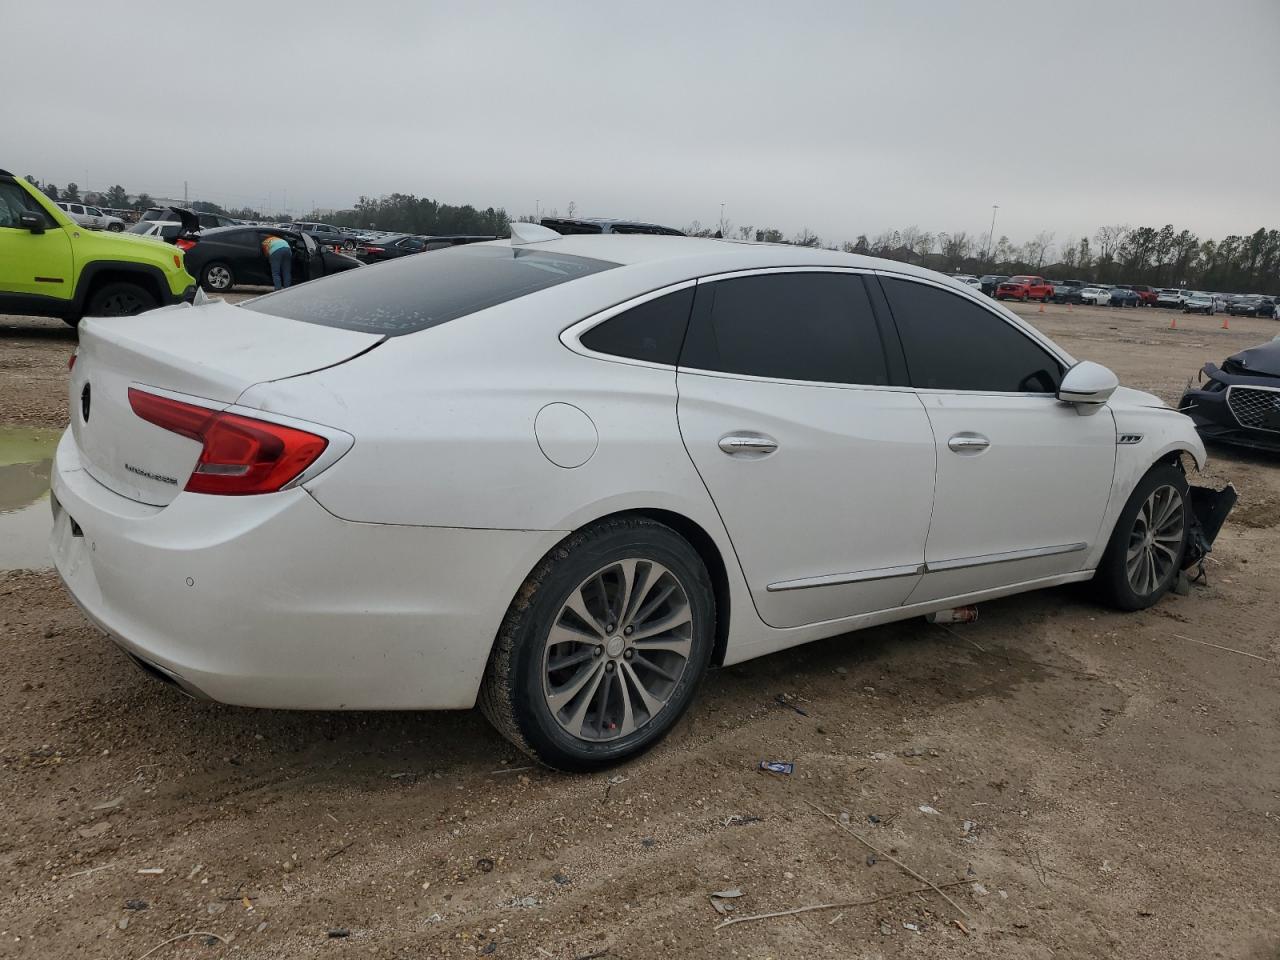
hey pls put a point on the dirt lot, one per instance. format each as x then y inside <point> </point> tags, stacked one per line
<point>1107,786</point>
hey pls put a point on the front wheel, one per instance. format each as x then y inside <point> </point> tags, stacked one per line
<point>119,299</point>
<point>604,646</point>
<point>115,227</point>
<point>1145,552</point>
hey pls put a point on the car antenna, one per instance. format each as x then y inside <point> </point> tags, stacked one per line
<point>531,233</point>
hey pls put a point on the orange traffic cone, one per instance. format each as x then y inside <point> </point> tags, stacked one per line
<point>1041,310</point>
<point>1173,324</point>
<point>1069,310</point>
<point>1225,324</point>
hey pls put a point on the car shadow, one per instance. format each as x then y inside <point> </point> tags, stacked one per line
<point>36,328</point>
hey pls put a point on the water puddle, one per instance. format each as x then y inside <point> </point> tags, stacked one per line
<point>26,456</point>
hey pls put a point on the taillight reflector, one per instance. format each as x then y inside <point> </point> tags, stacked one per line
<point>239,455</point>
<point>182,243</point>
<point>71,361</point>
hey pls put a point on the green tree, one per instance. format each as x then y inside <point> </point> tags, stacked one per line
<point>143,201</point>
<point>51,191</point>
<point>71,192</point>
<point>117,197</point>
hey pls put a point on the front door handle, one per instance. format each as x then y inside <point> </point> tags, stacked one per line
<point>748,444</point>
<point>968,443</point>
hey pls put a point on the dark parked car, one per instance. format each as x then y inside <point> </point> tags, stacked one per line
<point>1124,297</point>
<point>1255,306</point>
<point>1239,402</point>
<point>568,226</point>
<point>988,283</point>
<point>1068,291</point>
<point>390,248</point>
<point>223,257</point>
<point>324,233</point>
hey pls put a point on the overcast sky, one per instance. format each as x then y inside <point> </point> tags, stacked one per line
<point>844,117</point>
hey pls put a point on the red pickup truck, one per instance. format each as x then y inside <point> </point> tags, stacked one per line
<point>1025,288</point>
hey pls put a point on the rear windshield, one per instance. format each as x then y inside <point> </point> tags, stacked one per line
<point>413,293</point>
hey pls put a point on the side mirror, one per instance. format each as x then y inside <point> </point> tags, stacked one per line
<point>31,221</point>
<point>1088,383</point>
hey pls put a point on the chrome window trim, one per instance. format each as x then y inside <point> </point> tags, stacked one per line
<point>1032,553</point>
<point>571,335</point>
<point>837,579</point>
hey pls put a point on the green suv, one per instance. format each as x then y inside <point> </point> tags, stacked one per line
<point>51,266</point>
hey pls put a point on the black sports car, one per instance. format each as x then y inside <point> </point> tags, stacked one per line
<point>1239,402</point>
<point>225,256</point>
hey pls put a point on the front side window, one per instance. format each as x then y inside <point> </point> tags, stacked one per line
<point>651,331</point>
<point>409,294</point>
<point>15,201</point>
<point>952,343</point>
<point>789,326</point>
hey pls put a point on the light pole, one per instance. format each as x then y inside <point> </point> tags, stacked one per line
<point>537,210</point>
<point>722,218</point>
<point>992,232</point>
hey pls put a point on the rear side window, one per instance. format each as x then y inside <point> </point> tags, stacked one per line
<point>409,294</point>
<point>652,331</point>
<point>790,326</point>
<point>954,344</point>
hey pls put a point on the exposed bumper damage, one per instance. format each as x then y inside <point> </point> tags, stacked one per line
<point>1209,509</point>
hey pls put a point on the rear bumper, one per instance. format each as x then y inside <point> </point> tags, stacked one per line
<point>271,601</point>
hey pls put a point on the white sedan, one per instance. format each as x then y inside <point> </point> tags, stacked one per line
<point>564,476</point>
<point>1098,296</point>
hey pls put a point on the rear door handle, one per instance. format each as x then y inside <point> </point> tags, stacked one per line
<point>968,443</point>
<point>748,444</point>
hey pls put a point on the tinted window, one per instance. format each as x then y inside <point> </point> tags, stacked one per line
<point>954,344</point>
<point>409,294</point>
<point>652,331</point>
<point>797,326</point>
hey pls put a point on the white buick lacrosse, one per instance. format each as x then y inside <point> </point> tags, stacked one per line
<point>563,476</point>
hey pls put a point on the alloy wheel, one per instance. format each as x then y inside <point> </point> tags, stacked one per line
<point>617,649</point>
<point>1155,540</point>
<point>218,277</point>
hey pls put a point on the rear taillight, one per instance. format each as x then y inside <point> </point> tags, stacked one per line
<point>183,244</point>
<point>374,250</point>
<point>71,360</point>
<point>240,455</point>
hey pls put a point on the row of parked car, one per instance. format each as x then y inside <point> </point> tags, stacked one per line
<point>1025,288</point>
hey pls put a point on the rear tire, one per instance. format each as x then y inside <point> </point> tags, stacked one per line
<point>217,277</point>
<point>119,299</point>
<point>115,227</point>
<point>573,693</point>
<point>1144,555</point>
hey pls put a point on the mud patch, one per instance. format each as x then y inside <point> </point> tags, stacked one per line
<point>26,457</point>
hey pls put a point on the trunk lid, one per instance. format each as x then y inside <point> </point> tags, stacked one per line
<point>213,352</point>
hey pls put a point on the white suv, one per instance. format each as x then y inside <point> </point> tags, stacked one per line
<point>91,217</point>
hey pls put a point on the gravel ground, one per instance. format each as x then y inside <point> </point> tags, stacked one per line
<point>1096,784</point>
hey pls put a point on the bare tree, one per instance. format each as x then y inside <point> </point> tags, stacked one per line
<point>573,209</point>
<point>746,232</point>
<point>1035,251</point>
<point>1109,239</point>
<point>806,238</point>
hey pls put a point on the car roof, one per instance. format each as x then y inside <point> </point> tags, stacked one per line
<point>233,227</point>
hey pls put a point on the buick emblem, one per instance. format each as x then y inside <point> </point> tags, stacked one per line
<point>84,403</point>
